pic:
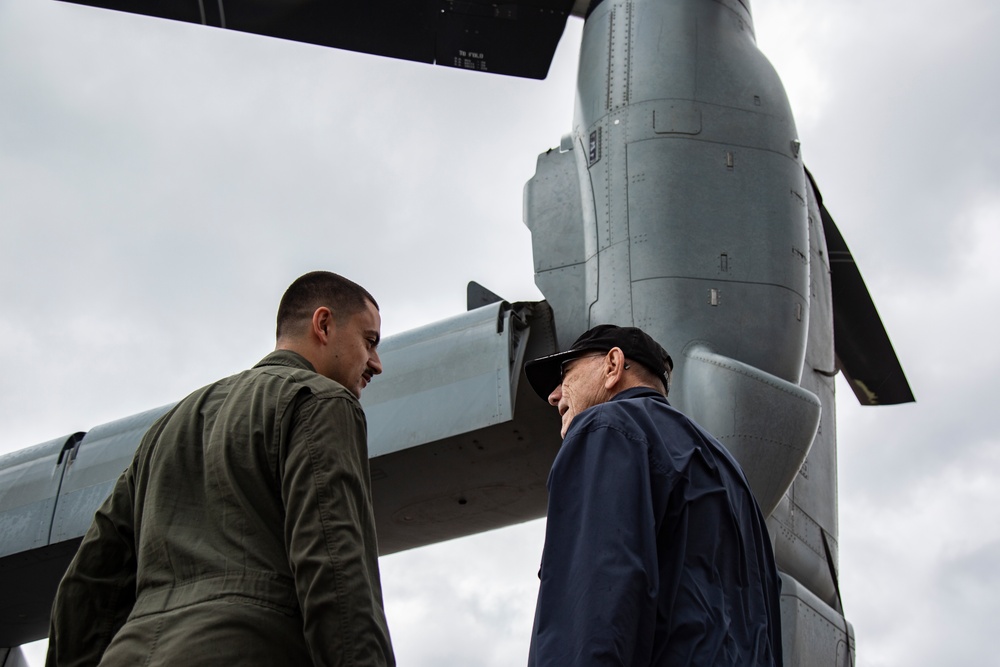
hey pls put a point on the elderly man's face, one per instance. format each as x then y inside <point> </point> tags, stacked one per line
<point>582,387</point>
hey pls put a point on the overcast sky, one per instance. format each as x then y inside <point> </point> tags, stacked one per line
<point>162,183</point>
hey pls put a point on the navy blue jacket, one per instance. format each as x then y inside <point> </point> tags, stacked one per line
<point>655,550</point>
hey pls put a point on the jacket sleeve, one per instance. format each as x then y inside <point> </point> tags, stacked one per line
<point>599,575</point>
<point>97,592</point>
<point>330,534</point>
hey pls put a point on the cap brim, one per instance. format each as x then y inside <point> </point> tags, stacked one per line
<point>544,374</point>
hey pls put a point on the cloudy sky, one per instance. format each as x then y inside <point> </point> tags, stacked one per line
<point>161,184</point>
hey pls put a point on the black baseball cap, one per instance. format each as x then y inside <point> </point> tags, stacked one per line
<point>545,373</point>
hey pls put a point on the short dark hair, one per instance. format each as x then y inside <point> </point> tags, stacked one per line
<point>316,289</point>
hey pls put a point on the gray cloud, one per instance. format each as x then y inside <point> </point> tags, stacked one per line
<point>161,183</point>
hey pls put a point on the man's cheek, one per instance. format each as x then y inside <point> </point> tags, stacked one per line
<point>566,420</point>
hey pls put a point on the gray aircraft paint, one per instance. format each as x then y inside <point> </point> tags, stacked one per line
<point>700,226</point>
<point>679,203</point>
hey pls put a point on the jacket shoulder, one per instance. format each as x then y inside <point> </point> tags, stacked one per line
<point>294,372</point>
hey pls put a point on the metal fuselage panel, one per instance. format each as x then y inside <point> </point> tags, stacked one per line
<point>448,456</point>
<point>61,484</point>
<point>698,190</point>
<point>31,479</point>
<point>691,221</point>
<point>804,526</point>
<point>93,468</point>
<point>29,568</point>
<point>812,633</point>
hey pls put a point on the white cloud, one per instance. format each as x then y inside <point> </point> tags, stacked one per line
<point>920,559</point>
<point>161,183</point>
<point>465,602</point>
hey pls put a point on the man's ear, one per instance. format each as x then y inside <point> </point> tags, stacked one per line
<point>614,368</point>
<point>322,324</point>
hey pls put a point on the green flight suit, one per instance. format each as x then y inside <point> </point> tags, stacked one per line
<point>242,533</point>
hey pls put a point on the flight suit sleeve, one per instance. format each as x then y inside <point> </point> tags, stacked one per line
<point>599,575</point>
<point>330,534</point>
<point>97,592</point>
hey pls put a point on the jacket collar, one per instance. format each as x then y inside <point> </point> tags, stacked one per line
<point>286,358</point>
<point>640,392</point>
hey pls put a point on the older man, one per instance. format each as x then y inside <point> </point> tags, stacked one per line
<point>655,550</point>
<point>242,532</point>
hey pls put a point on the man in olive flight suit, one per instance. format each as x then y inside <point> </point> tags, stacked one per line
<point>242,532</point>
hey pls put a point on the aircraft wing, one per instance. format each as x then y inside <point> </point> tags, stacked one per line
<point>864,351</point>
<point>516,38</point>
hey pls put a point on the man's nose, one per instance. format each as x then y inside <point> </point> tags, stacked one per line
<point>375,363</point>
<point>555,396</point>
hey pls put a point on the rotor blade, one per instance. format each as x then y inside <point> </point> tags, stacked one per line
<point>864,351</point>
<point>517,38</point>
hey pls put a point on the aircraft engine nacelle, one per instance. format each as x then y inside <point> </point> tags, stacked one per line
<point>678,205</point>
